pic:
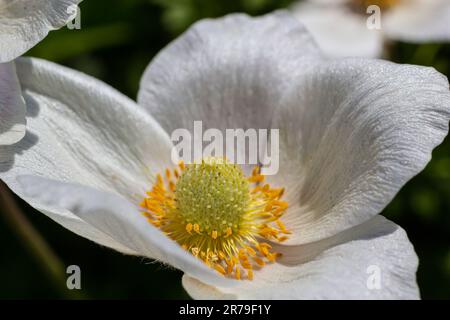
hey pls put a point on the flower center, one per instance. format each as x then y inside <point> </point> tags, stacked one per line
<point>212,194</point>
<point>361,5</point>
<point>219,215</point>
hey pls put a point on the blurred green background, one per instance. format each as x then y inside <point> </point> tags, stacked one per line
<point>117,40</point>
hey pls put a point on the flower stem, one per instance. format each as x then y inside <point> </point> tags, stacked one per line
<point>34,243</point>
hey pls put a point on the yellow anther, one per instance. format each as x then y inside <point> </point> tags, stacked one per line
<point>265,245</point>
<point>282,227</point>
<point>238,273</point>
<point>181,165</point>
<point>228,232</point>
<point>214,235</point>
<point>259,261</point>
<point>230,265</point>
<point>197,228</point>
<point>219,268</point>
<point>263,250</point>
<point>246,265</point>
<point>256,179</point>
<point>251,251</point>
<point>189,228</point>
<point>271,257</point>
<point>281,204</point>
<point>279,211</point>
<point>268,232</point>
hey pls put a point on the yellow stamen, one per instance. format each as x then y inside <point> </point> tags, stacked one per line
<point>251,251</point>
<point>259,261</point>
<point>228,232</point>
<point>181,165</point>
<point>219,268</point>
<point>218,215</point>
<point>256,179</point>
<point>197,228</point>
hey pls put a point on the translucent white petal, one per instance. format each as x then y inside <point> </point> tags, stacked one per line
<point>119,219</point>
<point>351,135</point>
<point>372,261</point>
<point>12,106</point>
<point>81,130</point>
<point>339,31</point>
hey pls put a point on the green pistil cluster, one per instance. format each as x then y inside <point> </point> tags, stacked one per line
<point>213,194</point>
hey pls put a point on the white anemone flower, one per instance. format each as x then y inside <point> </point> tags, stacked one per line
<point>340,26</point>
<point>23,23</point>
<point>352,133</point>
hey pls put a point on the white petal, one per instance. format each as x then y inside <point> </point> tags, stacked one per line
<point>228,72</point>
<point>419,21</point>
<point>12,106</point>
<point>23,23</point>
<point>81,130</point>
<point>341,267</point>
<point>119,219</point>
<point>338,31</point>
<point>352,134</point>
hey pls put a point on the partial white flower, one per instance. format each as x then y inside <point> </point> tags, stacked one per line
<point>23,23</point>
<point>353,132</point>
<point>340,26</point>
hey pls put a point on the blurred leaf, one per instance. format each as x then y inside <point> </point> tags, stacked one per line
<point>426,204</point>
<point>425,54</point>
<point>71,43</point>
<point>446,264</point>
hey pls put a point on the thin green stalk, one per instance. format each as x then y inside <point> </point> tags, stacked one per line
<point>34,243</point>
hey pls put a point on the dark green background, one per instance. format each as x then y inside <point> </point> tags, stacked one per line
<point>117,40</point>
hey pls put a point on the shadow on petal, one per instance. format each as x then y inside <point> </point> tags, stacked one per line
<point>8,153</point>
<point>298,254</point>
